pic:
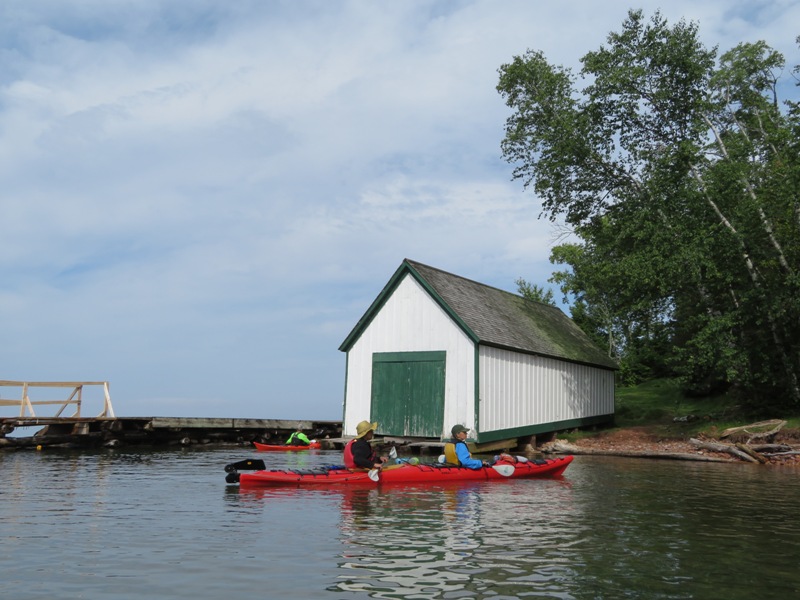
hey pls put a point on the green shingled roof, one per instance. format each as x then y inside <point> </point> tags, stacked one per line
<point>496,318</point>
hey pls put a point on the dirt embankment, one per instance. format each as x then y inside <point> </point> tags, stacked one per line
<point>645,442</point>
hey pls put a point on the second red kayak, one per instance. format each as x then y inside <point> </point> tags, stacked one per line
<point>285,447</point>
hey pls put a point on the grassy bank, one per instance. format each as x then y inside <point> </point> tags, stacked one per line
<point>661,408</point>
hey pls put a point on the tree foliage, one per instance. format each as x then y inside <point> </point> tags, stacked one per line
<point>534,292</point>
<point>679,172</point>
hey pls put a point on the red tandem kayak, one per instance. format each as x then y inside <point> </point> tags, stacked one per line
<point>404,473</point>
<point>284,447</point>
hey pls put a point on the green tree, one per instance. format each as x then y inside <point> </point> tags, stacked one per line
<point>635,330</point>
<point>534,292</point>
<point>679,173</point>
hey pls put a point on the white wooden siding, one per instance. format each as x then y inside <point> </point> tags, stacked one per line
<point>518,390</point>
<point>410,321</point>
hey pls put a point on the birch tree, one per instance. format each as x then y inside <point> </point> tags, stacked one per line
<point>679,172</point>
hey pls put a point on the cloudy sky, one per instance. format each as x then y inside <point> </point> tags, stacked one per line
<point>200,198</point>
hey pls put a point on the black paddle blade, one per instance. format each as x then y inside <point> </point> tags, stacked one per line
<point>232,477</point>
<point>246,465</point>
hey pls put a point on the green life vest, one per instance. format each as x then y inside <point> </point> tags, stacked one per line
<point>297,435</point>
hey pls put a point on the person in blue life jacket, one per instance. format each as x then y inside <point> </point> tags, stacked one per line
<point>298,438</point>
<point>456,451</point>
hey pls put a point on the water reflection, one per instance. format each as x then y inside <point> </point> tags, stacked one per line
<point>459,540</point>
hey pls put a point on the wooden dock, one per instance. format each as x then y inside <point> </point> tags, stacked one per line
<point>121,432</point>
<point>109,432</point>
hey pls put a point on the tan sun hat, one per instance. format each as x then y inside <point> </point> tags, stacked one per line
<point>365,427</point>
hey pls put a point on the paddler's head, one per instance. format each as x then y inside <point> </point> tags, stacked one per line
<point>459,432</point>
<point>366,430</point>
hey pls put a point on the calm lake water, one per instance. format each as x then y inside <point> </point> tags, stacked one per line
<point>163,524</point>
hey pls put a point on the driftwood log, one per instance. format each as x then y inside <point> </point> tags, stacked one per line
<point>564,447</point>
<point>771,448</point>
<point>761,430</point>
<point>728,448</point>
<point>751,452</point>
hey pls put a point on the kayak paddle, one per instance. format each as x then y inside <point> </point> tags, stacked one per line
<point>504,470</point>
<point>374,474</point>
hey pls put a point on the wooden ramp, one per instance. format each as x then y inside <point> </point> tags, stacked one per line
<point>75,399</point>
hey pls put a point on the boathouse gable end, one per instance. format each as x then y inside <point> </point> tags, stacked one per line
<point>511,365</point>
<point>400,274</point>
<point>407,335</point>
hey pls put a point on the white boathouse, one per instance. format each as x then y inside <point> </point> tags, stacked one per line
<point>435,349</point>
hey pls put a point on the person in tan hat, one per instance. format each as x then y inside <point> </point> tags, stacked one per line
<point>358,453</point>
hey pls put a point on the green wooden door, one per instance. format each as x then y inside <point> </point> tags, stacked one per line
<point>408,393</point>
